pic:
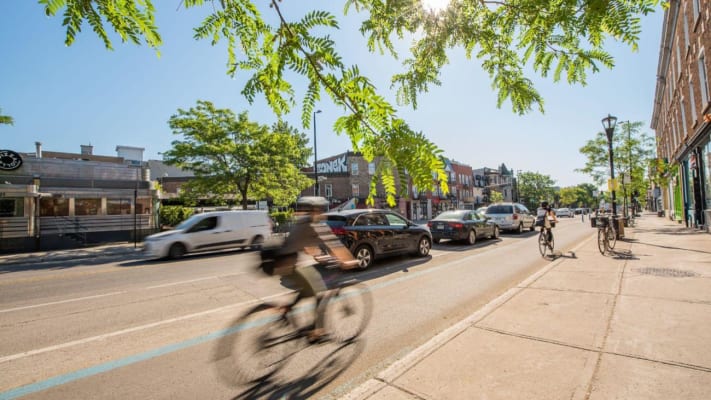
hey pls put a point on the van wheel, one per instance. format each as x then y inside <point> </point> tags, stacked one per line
<point>177,250</point>
<point>257,242</point>
<point>364,255</point>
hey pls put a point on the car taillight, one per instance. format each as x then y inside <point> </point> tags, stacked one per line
<point>456,225</point>
<point>515,217</point>
<point>338,230</point>
<point>429,224</point>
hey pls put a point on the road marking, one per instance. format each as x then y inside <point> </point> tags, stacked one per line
<point>134,329</point>
<point>184,282</point>
<point>61,302</point>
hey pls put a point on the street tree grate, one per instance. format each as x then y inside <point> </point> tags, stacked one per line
<point>666,272</point>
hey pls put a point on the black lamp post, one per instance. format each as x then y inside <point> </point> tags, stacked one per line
<point>316,191</point>
<point>609,123</point>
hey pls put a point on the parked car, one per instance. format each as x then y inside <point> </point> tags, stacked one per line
<point>481,210</point>
<point>511,216</point>
<point>214,230</point>
<point>564,212</point>
<point>465,225</point>
<point>372,233</point>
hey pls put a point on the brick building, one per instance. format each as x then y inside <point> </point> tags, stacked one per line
<point>681,115</point>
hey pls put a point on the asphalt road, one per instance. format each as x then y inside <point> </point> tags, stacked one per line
<point>134,328</point>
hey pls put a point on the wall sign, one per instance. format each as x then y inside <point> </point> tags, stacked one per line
<point>9,160</point>
<point>334,166</point>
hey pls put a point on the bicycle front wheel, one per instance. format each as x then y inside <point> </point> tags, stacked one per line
<point>602,241</point>
<point>611,237</point>
<point>347,311</point>
<point>542,244</point>
<point>256,345</point>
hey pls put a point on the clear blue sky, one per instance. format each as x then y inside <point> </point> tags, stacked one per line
<point>68,96</point>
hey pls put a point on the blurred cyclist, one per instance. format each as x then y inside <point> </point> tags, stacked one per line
<point>295,257</point>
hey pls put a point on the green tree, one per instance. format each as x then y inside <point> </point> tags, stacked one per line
<point>632,150</point>
<point>5,119</point>
<point>535,187</point>
<point>578,196</point>
<point>230,155</point>
<point>496,197</point>
<point>509,38</point>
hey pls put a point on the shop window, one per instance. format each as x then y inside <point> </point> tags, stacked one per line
<point>143,206</point>
<point>54,207</point>
<point>355,190</point>
<point>87,206</point>
<point>12,207</point>
<point>329,190</point>
<point>354,168</point>
<point>118,206</point>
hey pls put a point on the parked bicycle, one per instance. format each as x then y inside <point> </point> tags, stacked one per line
<point>269,334</point>
<point>606,235</point>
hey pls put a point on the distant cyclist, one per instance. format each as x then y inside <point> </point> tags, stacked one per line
<point>546,218</point>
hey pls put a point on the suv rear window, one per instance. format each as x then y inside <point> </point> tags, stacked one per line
<point>501,209</point>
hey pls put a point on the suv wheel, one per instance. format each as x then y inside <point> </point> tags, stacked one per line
<point>519,230</point>
<point>364,255</point>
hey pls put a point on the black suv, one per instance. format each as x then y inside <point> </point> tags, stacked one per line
<point>373,233</point>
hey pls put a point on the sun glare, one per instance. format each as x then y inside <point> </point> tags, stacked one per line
<point>435,5</point>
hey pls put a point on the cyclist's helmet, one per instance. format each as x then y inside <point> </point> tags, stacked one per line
<point>312,203</point>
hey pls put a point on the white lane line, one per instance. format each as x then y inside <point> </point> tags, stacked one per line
<point>61,302</point>
<point>182,282</point>
<point>134,329</point>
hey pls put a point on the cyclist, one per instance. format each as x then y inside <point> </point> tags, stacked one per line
<point>295,257</point>
<point>546,218</point>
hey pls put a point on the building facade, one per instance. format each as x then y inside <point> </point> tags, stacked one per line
<point>681,116</point>
<point>52,200</point>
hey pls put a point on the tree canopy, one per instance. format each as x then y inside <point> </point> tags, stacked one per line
<point>534,187</point>
<point>5,119</point>
<point>562,38</point>
<point>632,149</point>
<point>231,154</point>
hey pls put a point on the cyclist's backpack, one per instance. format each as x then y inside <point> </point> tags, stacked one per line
<point>276,261</point>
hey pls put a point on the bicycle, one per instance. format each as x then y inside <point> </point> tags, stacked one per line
<point>267,335</point>
<point>544,242</point>
<point>606,235</point>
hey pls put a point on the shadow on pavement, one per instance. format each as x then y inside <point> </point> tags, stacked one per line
<point>308,381</point>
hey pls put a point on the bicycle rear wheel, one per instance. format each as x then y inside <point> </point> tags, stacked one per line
<point>602,240</point>
<point>542,244</point>
<point>259,343</point>
<point>347,311</point>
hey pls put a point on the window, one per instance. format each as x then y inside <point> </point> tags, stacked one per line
<point>678,57</point>
<point>395,220</point>
<point>87,206</point>
<point>54,207</point>
<point>697,7</point>
<point>206,224</point>
<point>683,117</point>
<point>692,102</point>
<point>703,81</point>
<point>355,190</point>
<point>371,168</point>
<point>12,207</point>
<point>328,189</point>
<point>118,206</point>
<point>354,168</point>
<point>686,29</point>
<point>143,206</point>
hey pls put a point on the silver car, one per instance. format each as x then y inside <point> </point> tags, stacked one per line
<point>511,216</point>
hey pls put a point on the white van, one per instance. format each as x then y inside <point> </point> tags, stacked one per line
<point>214,230</point>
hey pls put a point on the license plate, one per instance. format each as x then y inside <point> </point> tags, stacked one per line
<point>440,226</point>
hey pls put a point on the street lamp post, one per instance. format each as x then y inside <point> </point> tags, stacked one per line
<point>609,123</point>
<point>316,188</point>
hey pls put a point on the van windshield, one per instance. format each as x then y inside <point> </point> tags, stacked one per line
<point>189,222</point>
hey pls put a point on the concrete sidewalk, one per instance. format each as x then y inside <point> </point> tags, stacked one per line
<point>107,250</point>
<point>632,325</point>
